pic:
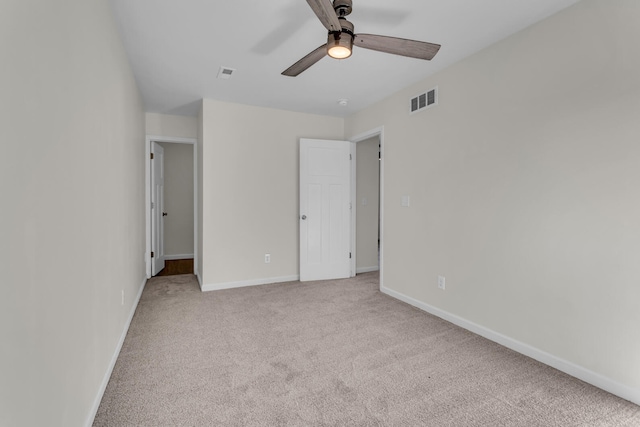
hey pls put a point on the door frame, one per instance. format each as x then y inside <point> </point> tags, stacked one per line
<point>149,139</point>
<point>379,132</point>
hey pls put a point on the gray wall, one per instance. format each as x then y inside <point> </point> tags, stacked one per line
<point>524,190</point>
<point>250,190</point>
<point>72,217</point>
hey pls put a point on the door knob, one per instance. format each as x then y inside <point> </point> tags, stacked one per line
<point>303,217</point>
<point>164,214</point>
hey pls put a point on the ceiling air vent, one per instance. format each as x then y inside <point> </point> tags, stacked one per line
<point>424,101</point>
<point>225,72</point>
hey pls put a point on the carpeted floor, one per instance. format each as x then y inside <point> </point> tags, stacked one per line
<point>329,353</point>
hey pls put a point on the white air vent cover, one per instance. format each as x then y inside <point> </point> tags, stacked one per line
<point>225,72</point>
<point>424,101</point>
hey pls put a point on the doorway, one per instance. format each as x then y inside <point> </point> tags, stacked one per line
<point>367,201</point>
<point>179,217</point>
<point>368,205</point>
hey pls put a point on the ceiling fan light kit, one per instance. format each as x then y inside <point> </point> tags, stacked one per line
<point>342,37</point>
<point>340,43</point>
<point>339,48</point>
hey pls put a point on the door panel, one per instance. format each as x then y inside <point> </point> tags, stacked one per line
<point>336,224</point>
<point>314,224</point>
<point>325,221</point>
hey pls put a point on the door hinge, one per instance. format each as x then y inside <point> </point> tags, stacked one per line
<point>153,206</point>
<point>349,255</point>
<point>151,156</point>
<point>152,254</point>
<point>350,157</point>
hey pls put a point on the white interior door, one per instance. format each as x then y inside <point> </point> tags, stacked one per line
<point>157,208</point>
<point>325,209</point>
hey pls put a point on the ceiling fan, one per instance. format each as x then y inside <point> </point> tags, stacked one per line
<point>341,38</point>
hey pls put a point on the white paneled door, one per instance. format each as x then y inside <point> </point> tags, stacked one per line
<point>325,209</point>
<point>157,208</point>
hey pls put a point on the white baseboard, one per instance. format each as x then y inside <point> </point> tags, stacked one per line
<point>367,269</point>
<point>243,283</point>
<point>178,256</point>
<point>114,358</point>
<point>629,393</point>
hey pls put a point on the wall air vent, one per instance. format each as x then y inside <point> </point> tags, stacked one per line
<point>424,101</point>
<point>225,72</point>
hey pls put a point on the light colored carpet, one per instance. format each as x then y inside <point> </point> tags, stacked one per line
<point>328,353</point>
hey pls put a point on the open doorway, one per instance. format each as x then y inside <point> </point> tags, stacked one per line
<point>177,214</point>
<point>368,205</point>
<point>171,225</point>
<point>367,202</point>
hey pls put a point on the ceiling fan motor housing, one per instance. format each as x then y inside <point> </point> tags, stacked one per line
<point>342,40</point>
<point>342,7</point>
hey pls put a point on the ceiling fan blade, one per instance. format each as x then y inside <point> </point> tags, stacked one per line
<point>306,62</point>
<point>397,46</point>
<point>325,13</point>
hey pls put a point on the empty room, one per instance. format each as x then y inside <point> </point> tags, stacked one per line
<point>393,213</point>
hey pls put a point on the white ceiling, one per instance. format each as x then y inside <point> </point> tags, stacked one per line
<point>176,48</point>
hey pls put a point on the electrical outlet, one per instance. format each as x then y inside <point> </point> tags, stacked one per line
<point>122,297</point>
<point>441,282</point>
<point>267,258</point>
